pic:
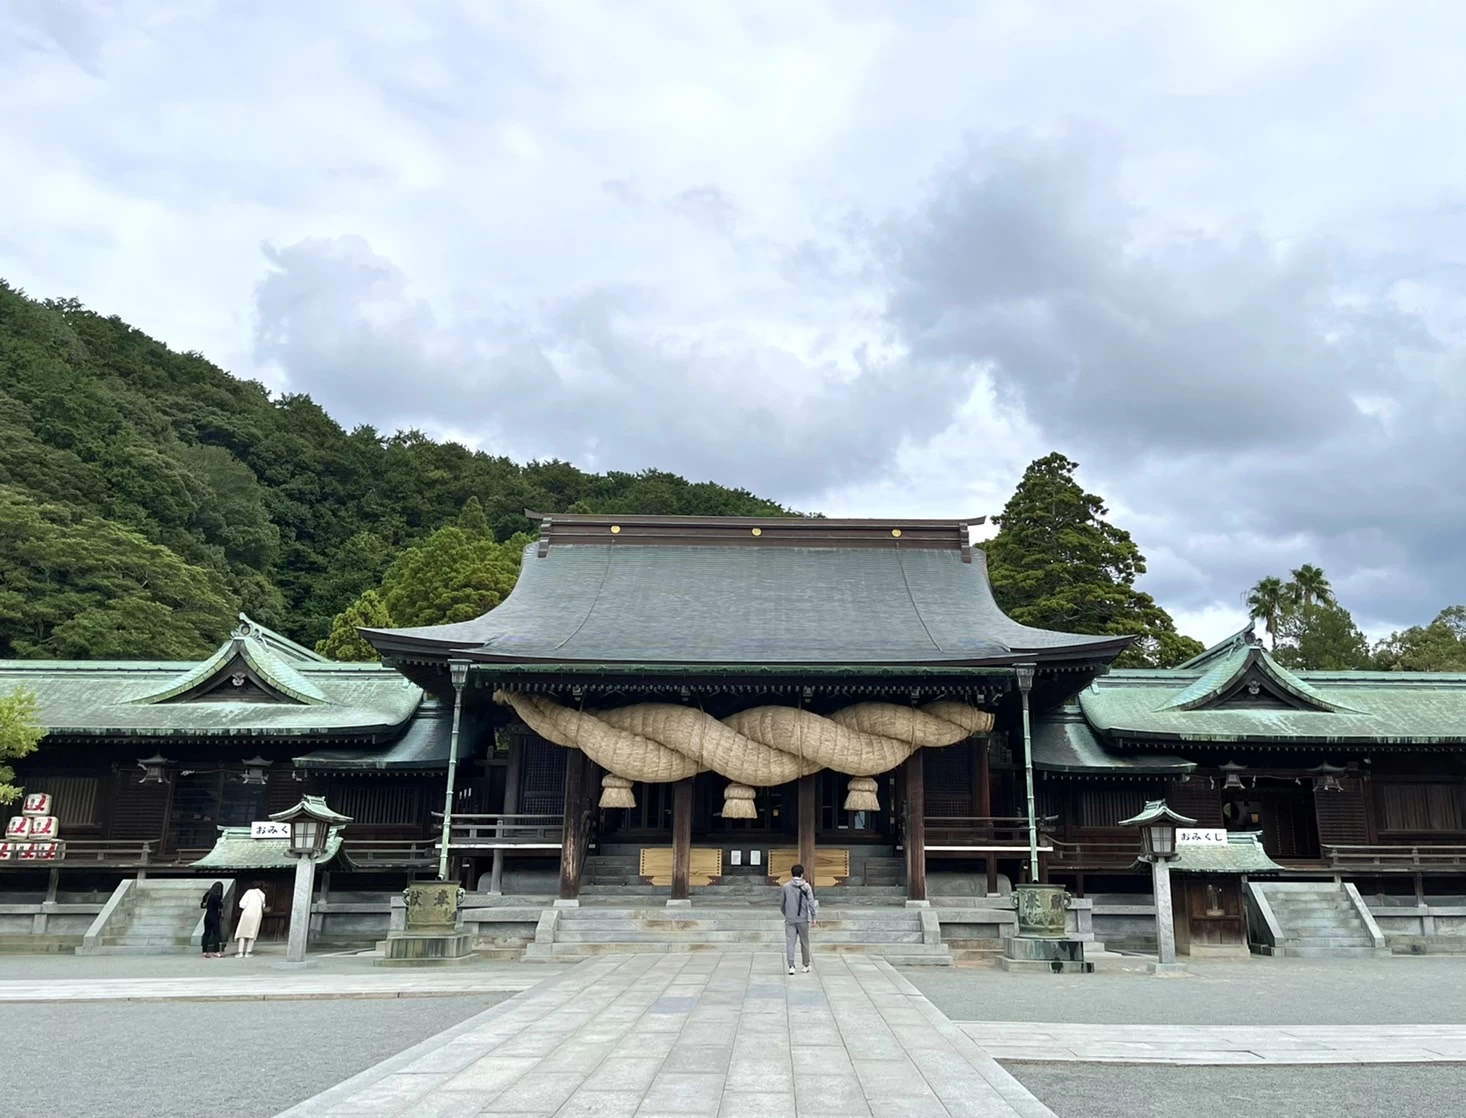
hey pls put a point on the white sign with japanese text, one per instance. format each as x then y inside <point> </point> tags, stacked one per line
<point>1200,836</point>
<point>269,829</point>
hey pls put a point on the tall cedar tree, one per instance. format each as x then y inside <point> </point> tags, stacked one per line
<point>458,573</point>
<point>1056,563</point>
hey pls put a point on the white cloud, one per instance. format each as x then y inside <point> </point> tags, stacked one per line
<point>863,258</point>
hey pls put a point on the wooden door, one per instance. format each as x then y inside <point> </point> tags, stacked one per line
<point>1210,908</point>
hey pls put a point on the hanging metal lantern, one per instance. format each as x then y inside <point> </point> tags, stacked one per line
<point>155,769</point>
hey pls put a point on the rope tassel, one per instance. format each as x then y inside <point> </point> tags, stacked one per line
<point>616,791</point>
<point>860,795</point>
<point>738,802</point>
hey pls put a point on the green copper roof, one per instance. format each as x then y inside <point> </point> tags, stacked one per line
<point>1064,743</point>
<point>290,695</point>
<point>235,850</point>
<point>1212,701</point>
<point>1225,672</point>
<point>737,591</point>
<point>1242,853</point>
<point>246,648</point>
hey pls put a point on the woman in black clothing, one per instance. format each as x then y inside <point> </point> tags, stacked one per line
<point>213,906</point>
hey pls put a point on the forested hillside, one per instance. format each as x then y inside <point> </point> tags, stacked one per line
<point>146,496</point>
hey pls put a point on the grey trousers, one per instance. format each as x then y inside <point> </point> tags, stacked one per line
<point>791,930</point>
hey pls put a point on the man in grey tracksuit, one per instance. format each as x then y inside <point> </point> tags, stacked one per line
<point>798,905</point>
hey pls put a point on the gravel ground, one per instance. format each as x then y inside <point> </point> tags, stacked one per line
<point>219,1059</point>
<point>1261,991</point>
<point>1128,1091</point>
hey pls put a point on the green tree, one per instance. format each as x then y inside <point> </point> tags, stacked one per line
<point>20,733</point>
<point>1309,586</point>
<point>1321,637</point>
<point>453,575</point>
<point>77,586</point>
<point>1437,647</point>
<point>344,642</point>
<point>266,499</point>
<point>1056,563</point>
<point>1269,601</point>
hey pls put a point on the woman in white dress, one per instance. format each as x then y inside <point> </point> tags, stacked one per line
<point>251,911</point>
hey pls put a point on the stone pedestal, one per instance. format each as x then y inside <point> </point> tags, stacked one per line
<point>1044,955</point>
<point>430,935</point>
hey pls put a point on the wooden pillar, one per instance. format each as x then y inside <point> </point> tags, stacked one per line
<point>991,862</point>
<point>915,828</point>
<point>511,805</point>
<point>681,839</point>
<point>572,841</point>
<point>983,804</point>
<point>808,813</point>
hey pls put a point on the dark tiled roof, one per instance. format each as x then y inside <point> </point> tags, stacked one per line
<point>424,745</point>
<point>711,592</point>
<point>1064,743</point>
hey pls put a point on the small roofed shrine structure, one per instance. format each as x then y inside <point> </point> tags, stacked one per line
<point>162,768</point>
<point>725,694</point>
<point>1359,775</point>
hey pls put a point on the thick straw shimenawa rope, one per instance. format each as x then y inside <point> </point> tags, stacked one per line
<point>762,746</point>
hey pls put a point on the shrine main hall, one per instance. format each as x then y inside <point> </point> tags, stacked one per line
<point>671,711</point>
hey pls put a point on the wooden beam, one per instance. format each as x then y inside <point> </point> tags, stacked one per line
<point>915,828</point>
<point>808,816</point>
<point>572,849</point>
<point>681,839</point>
<point>983,804</point>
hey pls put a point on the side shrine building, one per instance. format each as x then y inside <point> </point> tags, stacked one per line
<point>674,710</point>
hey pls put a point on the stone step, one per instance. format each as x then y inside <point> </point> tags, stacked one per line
<point>1312,951</point>
<point>912,954</point>
<point>710,917</point>
<point>145,941</point>
<point>773,927</point>
<point>728,936</point>
<point>1328,941</point>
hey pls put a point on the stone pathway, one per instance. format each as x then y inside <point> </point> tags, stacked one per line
<point>277,985</point>
<point>726,1035</point>
<point>1221,1044</point>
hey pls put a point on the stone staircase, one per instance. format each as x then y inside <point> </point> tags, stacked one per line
<point>615,878</point>
<point>1311,919</point>
<point>155,917</point>
<point>900,935</point>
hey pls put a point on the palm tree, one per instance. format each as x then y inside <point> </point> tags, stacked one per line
<point>1310,587</point>
<point>1267,602</point>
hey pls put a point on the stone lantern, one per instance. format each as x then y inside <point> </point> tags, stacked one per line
<point>1157,824</point>
<point>311,823</point>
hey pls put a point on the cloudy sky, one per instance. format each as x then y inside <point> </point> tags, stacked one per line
<point>866,258</point>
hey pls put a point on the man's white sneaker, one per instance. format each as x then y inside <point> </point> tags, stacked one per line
<point>806,970</point>
<point>791,970</point>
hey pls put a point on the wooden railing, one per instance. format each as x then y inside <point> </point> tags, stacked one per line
<point>982,833</point>
<point>110,854</point>
<point>1094,854</point>
<point>370,854</point>
<point>504,832</point>
<point>1397,859</point>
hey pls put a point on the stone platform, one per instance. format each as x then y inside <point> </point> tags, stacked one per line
<point>718,1034</point>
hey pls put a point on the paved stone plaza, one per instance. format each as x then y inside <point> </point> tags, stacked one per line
<point>706,1034</point>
